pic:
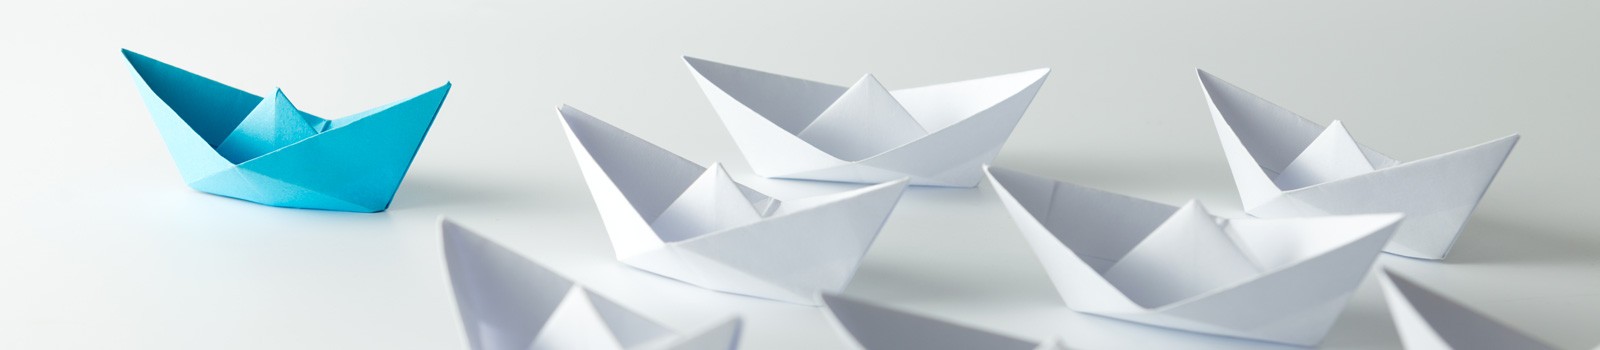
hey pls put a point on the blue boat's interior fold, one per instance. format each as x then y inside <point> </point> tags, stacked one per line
<point>211,108</point>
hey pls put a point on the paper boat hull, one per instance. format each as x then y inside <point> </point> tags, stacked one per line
<point>356,167</point>
<point>870,326</point>
<point>789,258</point>
<point>952,156</point>
<point>813,245</point>
<point>1437,194</point>
<point>1293,305</point>
<point>509,302</point>
<point>1428,320</point>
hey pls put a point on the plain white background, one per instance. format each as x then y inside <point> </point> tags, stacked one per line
<point>105,247</point>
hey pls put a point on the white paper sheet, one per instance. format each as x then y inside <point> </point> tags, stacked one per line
<point>1427,320</point>
<point>1288,166</point>
<point>874,327</point>
<point>672,217</point>
<point>937,135</point>
<point>1308,266</point>
<point>509,302</point>
<point>1186,255</point>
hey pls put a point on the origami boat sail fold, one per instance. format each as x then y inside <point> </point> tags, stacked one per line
<point>272,125</point>
<point>672,217</point>
<point>712,203</point>
<point>865,121</point>
<point>875,327</point>
<point>1278,280</point>
<point>232,143</point>
<point>1427,320</point>
<point>509,302</point>
<point>1287,166</point>
<point>938,135</point>
<point>1187,255</point>
<point>1334,155</point>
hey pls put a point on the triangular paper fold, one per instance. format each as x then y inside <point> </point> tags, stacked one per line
<point>1427,320</point>
<point>873,327</point>
<point>937,135</point>
<point>1188,254</point>
<point>1334,155</point>
<point>584,320</point>
<point>509,302</point>
<point>274,124</point>
<point>231,143</point>
<point>1308,267</point>
<point>863,122</point>
<point>672,217</point>
<point>712,203</point>
<point>1287,166</point>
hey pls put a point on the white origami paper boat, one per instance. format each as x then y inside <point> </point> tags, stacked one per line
<point>509,302</point>
<point>1277,280</point>
<point>874,327</point>
<point>1287,166</point>
<point>939,135</point>
<point>1427,320</point>
<point>672,217</point>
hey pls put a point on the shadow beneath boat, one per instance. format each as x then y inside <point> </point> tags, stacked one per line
<point>1489,239</point>
<point>433,191</point>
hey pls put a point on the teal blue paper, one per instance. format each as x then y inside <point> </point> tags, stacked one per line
<point>235,144</point>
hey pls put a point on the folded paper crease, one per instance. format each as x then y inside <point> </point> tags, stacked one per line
<point>1277,280</point>
<point>937,135</point>
<point>870,326</point>
<point>1287,166</point>
<point>1428,320</point>
<point>672,217</point>
<point>231,143</point>
<point>509,302</point>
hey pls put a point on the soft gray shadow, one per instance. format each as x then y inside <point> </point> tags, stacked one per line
<point>422,191</point>
<point>1488,239</point>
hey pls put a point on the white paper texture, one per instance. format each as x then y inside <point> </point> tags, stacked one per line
<point>712,203</point>
<point>1288,166</point>
<point>509,302</point>
<point>1427,320</point>
<point>1186,255</point>
<point>873,327</point>
<point>1309,266</point>
<point>672,217</point>
<point>1334,155</point>
<point>938,135</point>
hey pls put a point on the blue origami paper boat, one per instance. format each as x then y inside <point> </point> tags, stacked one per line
<point>235,144</point>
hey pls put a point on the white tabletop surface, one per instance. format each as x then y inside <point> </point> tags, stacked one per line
<point>105,247</point>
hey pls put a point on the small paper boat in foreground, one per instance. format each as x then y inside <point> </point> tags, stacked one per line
<point>874,327</point>
<point>939,135</point>
<point>508,302</point>
<point>1287,166</point>
<point>1427,320</point>
<point>672,217</point>
<point>231,143</point>
<point>1277,280</point>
